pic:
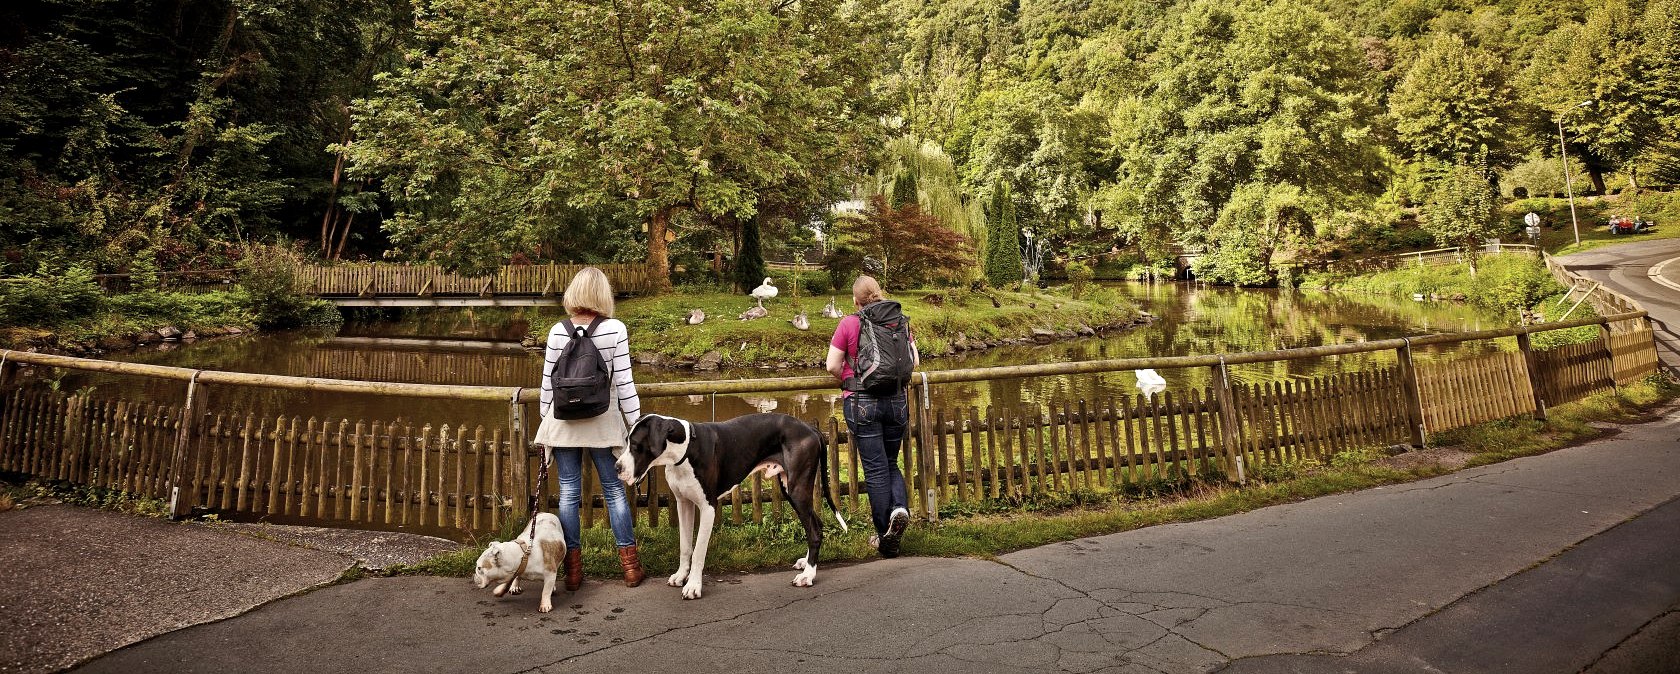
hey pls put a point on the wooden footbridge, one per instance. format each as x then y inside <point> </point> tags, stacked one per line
<point>429,285</point>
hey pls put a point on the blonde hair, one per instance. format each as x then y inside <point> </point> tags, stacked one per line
<point>866,291</point>
<point>589,292</point>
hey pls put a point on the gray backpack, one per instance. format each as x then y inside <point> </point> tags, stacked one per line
<point>883,362</point>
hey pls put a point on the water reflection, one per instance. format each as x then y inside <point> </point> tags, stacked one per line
<point>481,347</point>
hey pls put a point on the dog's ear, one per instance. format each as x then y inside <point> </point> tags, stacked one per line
<point>675,433</point>
<point>495,554</point>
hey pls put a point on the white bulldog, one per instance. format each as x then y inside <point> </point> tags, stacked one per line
<point>505,563</point>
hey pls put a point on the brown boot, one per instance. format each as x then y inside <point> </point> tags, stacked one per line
<point>633,573</point>
<point>574,569</point>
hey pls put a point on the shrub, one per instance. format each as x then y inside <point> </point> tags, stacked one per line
<point>273,295</point>
<point>47,299</point>
<point>1079,274</point>
<point>842,263</point>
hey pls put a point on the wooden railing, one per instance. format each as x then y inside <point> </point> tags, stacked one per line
<point>429,280</point>
<point>471,477</point>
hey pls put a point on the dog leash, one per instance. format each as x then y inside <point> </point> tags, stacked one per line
<point>536,502</point>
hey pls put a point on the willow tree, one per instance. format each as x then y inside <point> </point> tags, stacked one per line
<point>514,112</point>
<point>938,188</point>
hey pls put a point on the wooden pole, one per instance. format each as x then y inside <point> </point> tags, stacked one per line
<point>1531,366</point>
<point>178,469</point>
<point>1414,399</point>
<point>1225,398</point>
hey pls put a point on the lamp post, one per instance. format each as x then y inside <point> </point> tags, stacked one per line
<point>1568,180</point>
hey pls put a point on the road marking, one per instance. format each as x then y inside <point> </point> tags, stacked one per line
<point>1655,273</point>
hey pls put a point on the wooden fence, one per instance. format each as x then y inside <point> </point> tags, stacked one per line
<point>447,477</point>
<point>429,280</point>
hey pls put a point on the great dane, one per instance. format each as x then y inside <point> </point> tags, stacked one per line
<point>706,461</point>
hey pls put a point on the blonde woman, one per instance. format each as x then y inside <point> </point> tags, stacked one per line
<point>589,305</point>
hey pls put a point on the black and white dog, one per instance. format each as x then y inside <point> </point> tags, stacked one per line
<point>706,461</point>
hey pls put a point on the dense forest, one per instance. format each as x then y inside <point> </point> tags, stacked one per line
<point>996,135</point>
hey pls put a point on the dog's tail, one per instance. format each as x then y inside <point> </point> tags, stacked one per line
<point>822,478</point>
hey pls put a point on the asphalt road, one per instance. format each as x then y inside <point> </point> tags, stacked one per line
<point>1626,268</point>
<point>1551,563</point>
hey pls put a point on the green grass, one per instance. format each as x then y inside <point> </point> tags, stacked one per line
<point>135,313</point>
<point>1558,237</point>
<point>657,324</point>
<point>991,528</point>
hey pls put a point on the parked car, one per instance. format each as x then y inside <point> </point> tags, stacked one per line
<point>1621,225</point>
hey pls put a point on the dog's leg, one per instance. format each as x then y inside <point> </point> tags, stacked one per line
<point>702,537</point>
<point>547,592</point>
<point>685,541</point>
<point>513,586</point>
<point>800,497</point>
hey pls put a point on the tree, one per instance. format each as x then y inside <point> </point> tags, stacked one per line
<point>911,247</point>
<point>1455,106</point>
<point>513,112</point>
<point>1463,212</point>
<point>1003,247</point>
<point>749,262</point>
<point>1243,100</point>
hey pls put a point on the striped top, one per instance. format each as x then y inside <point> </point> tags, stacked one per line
<point>612,339</point>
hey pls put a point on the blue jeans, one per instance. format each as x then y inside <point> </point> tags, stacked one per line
<point>877,427</point>
<point>568,463</point>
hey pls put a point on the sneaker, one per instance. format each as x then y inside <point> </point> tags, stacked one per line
<point>895,530</point>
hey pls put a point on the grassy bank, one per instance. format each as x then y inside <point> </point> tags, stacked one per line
<point>68,311</point>
<point>1004,526</point>
<point>1558,236</point>
<point>945,321</point>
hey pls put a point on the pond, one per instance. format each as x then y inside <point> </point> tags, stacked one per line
<point>481,347</point>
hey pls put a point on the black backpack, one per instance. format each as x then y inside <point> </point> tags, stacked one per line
<point>884,361</point>
<point>580,380</point>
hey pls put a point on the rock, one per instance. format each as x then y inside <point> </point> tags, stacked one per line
<point>1459,297</point>
<point>647,358</point>
<point>710,361</point>
<point>1043,336</point>
<point>148,337</point>
<point>115,342</point>
<point>1087,331</point>
<point>529,342</point>
<point>935,299</point>
<point>1067,334</point>
<point>169,332</point>
<point>1032,305</point>
<point>189,336</point>
<point>211,332</point>
<point>236,330</point>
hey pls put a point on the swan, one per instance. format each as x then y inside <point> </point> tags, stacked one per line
<point>1150,383</point>
<point>696,317</point>
<point>829,310</point>
<point>764,292</point>
<point>755,312</point>
<point>801,321</point>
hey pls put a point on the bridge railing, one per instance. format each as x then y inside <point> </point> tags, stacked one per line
<point>427,280</point>
<point>450,475</point>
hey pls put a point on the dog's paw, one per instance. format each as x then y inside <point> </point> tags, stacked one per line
<point>516,590</point>
<point>806,578</point>
<point>545,607</point>
<point>677,579</point>
<point>691,591</point>
<point>799,564</point>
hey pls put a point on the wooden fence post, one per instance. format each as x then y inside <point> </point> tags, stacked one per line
<point>1531,366</point>
<point>519,456</point>
<point>1414,399</point>
<point>1228,433</point>
<point>931,478</point>
<point>1609,354</point>
<point>179,474</point>
<point>9,368</point>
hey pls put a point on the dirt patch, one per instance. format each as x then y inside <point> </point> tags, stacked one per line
<point>1451,458</point>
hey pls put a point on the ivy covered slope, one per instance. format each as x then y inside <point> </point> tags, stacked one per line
<point>943,321</point>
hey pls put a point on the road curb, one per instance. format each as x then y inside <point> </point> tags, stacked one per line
<point>1655,273</point>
